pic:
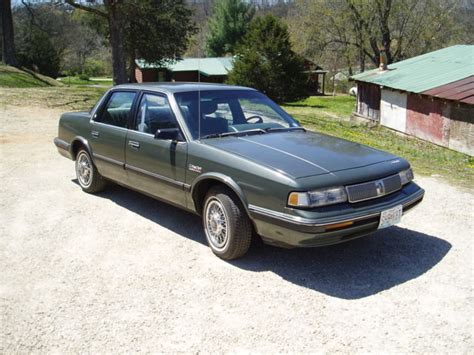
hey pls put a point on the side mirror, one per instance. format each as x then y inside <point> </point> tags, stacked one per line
<point>173,134</point>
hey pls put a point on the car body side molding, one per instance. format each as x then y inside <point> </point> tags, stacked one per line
<point>109,160</point>
<point>157,176</point>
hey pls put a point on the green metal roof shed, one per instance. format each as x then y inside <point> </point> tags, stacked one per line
<point>430,97</point>
<point>426,71</point>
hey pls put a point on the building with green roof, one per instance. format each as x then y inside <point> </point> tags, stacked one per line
<point>430,96</point>
<point>189,69</point>
<point>212,70</point>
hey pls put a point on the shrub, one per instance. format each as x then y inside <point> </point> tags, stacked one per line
<point>37,52</point>
<point>94,67</point>
<point>84,76</point>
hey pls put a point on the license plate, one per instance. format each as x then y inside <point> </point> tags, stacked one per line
<point>390,217</point>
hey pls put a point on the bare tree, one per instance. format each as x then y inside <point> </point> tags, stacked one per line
<point>362,28</point>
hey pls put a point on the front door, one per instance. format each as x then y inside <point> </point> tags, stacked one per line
<point>155,166</point>
<point>109,132</point>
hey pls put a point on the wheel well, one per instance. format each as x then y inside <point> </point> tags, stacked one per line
<point>203,187</point>
<point>76,145</point>
<point>201,190</point>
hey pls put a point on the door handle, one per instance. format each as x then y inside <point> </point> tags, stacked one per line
<point>134,144</point>
<point>95,134</point>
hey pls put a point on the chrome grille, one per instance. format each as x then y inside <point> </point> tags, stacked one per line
<point>373,189</point>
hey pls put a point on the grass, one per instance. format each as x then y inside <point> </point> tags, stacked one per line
<point>318,114</point>
<point>76,81</point>
<point>11,77</point>
<point>332,106</point>
<point>73,98</point>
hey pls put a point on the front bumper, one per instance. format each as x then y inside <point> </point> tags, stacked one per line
<point>289,230</point>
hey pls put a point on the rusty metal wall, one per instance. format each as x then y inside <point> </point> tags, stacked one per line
<point>445,123</point>
<point>368,100</point>
<point>425,119</point>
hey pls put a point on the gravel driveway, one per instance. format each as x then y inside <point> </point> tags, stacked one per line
<point>122,272</point>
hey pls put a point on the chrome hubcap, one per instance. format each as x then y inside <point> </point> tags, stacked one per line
<point>84,170</point>
<point>216,224</point>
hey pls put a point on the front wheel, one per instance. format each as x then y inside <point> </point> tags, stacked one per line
<point>226,225</point>
<point>87,175</point>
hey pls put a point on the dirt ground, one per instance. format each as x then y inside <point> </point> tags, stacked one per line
<point>122,272</point>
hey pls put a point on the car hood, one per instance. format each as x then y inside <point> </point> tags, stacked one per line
<point>300,154</point>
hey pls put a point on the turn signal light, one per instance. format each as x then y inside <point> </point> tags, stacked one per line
<point>339,225</point>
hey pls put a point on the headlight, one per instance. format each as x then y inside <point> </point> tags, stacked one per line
<point>316,198</point>
<point>406,176</point>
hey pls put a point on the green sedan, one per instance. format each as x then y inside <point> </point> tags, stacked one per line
<point>233,156</point>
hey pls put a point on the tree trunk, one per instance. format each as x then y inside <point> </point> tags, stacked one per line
<point>362,60</point>
<point>119,65</point>
<point>8,43</point>
<point>131,68</point>
<point>384,14</point>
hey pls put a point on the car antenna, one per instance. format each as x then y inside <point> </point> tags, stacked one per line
<point>199,98</point>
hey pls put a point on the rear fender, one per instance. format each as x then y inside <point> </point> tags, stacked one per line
<point>78,142</point>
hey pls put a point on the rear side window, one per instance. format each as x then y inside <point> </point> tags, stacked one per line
<point>154,113</point>
<point>117,110</point>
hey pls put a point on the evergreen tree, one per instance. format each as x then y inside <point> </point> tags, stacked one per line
<point>227,26</point>
<point>266,61</point>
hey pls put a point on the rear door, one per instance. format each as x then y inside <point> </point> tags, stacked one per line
<point>156,166</point>
<point>109,128</point>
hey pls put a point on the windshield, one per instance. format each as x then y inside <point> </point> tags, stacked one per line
<point>230,111</point>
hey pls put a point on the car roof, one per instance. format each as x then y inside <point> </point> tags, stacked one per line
<point>174,87</point>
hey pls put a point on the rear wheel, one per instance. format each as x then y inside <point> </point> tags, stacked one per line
<point>226,225</point>
<point>87,175</point>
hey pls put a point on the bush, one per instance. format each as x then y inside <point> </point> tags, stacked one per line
<point>37,52</point>
<point>84,76</point>
<point>266,61</point>
<point>93,67</point>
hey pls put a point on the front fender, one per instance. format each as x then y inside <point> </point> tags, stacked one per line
<point>206,179</point>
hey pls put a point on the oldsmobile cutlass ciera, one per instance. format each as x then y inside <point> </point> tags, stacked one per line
<point>233,156</point>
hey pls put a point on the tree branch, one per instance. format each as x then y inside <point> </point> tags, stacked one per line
<point>87,8</point>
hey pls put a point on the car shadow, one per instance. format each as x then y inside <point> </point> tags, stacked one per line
<point>173,218</point>
<point>355,269</point>
<point>351,270</point>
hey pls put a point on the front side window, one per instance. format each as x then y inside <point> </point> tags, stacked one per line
<point>226,111</point>
<point>117,110</point>
<point>154,113</point>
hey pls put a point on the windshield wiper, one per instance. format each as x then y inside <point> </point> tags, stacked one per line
<point>235,134</point>
<point>284,129</point>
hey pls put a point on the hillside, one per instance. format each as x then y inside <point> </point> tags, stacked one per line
<point>11,77</point>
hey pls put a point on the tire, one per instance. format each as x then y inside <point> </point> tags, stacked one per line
<point>226,225</point>
<point>87,175</point>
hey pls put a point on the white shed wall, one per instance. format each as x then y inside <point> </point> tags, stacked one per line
<point>393,109</point>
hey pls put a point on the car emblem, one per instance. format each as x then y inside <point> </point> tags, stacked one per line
<point>195,168</point>
<point>380,187</point>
